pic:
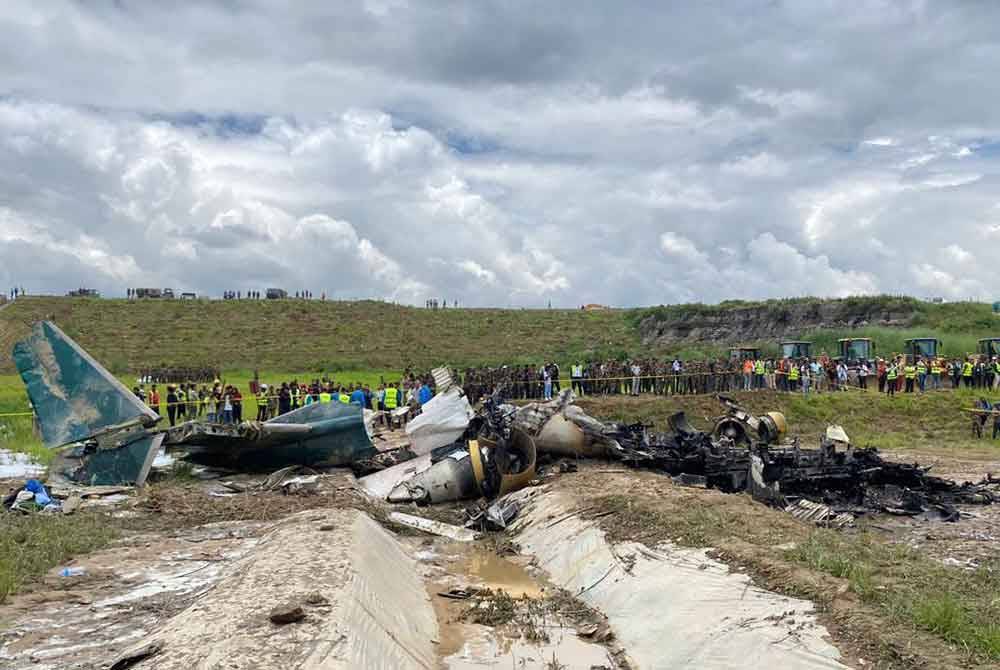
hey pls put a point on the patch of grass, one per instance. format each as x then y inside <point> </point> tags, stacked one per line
<point>958,606</point>
<point>31,545</point>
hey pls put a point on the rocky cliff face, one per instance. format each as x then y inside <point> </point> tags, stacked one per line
<point>768,321</point>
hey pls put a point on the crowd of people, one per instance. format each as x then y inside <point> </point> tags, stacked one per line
<point>678,377</point>
<point>224,403</point>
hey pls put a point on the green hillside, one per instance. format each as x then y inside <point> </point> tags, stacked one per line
<point>315,335</point>
<point>311,336</point>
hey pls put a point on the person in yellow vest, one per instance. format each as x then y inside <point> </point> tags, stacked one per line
<point>891,373</point>
<point>325,396</point>
<point>261,398</point>
<point>391,402</point>
<point>967,373</point>
<point>758,372</point>
<point>910,372</point>
<point>343,397</point>
<point>936,371</point>
<point>793,376</point>
<point>922,375</point>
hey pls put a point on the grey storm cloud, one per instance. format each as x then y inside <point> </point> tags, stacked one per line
<point>502,153</point>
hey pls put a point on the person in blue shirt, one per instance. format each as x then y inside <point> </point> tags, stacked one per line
<point>424,394</point>
<point>358,397</point>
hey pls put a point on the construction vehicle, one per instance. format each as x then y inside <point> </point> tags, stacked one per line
<point>796,349</point>
<point>743,353</point>
<point>921,347</point>
<point>854,349</point>
<point>988,347</point>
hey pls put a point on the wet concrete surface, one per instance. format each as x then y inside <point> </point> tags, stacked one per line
<point>125,592</point>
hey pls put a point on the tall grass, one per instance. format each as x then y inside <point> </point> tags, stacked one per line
<point>31,545</point>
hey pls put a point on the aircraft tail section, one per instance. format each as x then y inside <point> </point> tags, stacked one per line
<point>74,397</point>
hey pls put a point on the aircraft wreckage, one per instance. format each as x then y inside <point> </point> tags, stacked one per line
<point>104,435</point>
<point>743,453</point>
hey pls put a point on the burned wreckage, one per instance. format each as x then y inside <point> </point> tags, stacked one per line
<point>832,483</point>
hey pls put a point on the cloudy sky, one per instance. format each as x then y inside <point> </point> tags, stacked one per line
<point>502,153</point>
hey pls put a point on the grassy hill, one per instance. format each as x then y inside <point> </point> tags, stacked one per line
<point>315,335</point>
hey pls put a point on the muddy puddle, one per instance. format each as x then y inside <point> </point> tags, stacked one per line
<point>563,650</point>
<point>536,637</point>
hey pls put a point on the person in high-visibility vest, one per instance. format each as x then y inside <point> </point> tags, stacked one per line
<point>967,373</point>
<point>181,403</point>
<point>910,371</point>
<point>343,398</point>
<point>922,375</point>
<point>891,373</point>
<point>325,397</point>
<point>793,376</point>
<point>758,371</point>
<point>391,398</point>
<point>261,398</point>
<point>936,371</point>
<point>576,377</point>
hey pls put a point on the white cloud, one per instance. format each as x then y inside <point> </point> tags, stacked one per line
<point>881,142</point>
<point>498,155</point>
<point>760,165</point>
<point>478,271</point>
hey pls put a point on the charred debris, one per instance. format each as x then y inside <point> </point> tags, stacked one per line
<point>835,479</point>
<point>505,447</point>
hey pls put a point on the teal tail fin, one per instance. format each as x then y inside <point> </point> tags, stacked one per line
<point>73,396</point>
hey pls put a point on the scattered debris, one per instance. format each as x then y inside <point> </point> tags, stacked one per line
<point>819,514</point>
<point>443,419</point>
<point>463,593</point>
<point>287,613</point>
<point>317,600</point>
<point>741,427</point>
<point>135,656</point>
<point>493,517</point>
<point>433,527</point>
<point>295,479</point>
